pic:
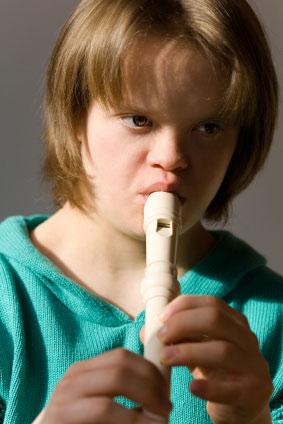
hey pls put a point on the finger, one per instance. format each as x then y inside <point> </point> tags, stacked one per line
<point>118,357</point>
<point>186,302</point>
<point>102,410</point>
<point>216,391</point>
<point>222,391</point>
<point>212,354</point>
<point>215,323</point>
<point>142,387</point>
<point>226,394</point>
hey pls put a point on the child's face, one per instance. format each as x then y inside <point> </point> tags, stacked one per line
<point>166,137</point>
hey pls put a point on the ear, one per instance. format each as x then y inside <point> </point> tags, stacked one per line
<point>81,137</point>
<point>81,134</point>
<point>81,128</point>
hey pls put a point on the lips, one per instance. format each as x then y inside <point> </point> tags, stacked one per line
<point>165,187</point>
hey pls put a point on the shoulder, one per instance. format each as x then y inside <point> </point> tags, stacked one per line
<point>262,285</point>
<point>261,290</point>
<point>18,256</point>
<point>267,279</point>
<point>245,271</point>
<point>250,264</point>
<point>21,270</point>
<point>15,243</point>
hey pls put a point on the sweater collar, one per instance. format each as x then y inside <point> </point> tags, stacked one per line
<point>221,270</point>
<point>217,274</point>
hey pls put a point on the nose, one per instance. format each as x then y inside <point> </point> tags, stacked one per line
<point>167,152</point>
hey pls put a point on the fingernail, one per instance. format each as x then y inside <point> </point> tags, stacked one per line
<point>162,333</point>
<point>164,314</point>
<point>167,354</point>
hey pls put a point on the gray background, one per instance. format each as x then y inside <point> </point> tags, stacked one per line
<point>28,30</point>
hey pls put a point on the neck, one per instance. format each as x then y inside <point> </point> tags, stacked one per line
<point>87,249</point>
<point>97,241</point>
<point>193,246</point>
<point>95,244</point>
<point>105,261</point>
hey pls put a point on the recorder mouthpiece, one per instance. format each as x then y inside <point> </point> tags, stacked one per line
<point>162,222</point>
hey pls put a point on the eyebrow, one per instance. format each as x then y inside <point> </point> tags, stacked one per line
<point>132,110</point>
<point>216,117</point>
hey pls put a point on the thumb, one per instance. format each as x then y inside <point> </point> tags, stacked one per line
<point>142,335</point>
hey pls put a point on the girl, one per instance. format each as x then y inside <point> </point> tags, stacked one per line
<point>143,96</point>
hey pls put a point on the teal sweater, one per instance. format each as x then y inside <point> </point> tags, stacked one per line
<point>47,322</point>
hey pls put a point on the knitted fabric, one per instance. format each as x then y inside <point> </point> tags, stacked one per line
<point>48,322</point>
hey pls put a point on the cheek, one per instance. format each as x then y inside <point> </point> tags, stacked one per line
<point>210,166</point>
<point>101,154</point>
<point>217,164</point>
<point>113,159</point>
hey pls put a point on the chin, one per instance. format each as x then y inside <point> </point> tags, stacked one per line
<point>135,231</point>
<point>138,234</point>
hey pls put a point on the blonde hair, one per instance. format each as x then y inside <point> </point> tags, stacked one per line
<point>87,64</point>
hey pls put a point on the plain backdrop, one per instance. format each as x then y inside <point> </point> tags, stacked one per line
<point>28,30</point>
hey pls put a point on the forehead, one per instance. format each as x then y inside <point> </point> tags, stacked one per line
<point>169,72</point>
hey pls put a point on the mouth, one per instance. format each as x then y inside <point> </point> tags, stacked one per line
<point>168,188</point>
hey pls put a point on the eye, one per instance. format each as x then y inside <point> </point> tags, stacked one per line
<point>137,121</point>
<point>208,128</point>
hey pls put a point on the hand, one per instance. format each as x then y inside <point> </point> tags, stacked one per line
<point>85,393</point>
<point>215,342</point>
